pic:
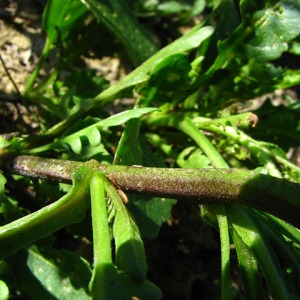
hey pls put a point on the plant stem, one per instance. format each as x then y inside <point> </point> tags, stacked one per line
<point>41,223</point>
<point>101,238</point>
<point>274,195</point>
<point>188,127</point>
<point>227,289</point>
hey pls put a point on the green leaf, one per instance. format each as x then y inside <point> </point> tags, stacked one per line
<point>249,268</point>
<point>109,282</point>
<point>55,274</point>
<point>291,78</point>
<point>281,122</point>
<point>75,140</point>
<point>184,44</point>
<point>125,116</point>
<point>61,17</point>
<point>282,20</point>
<point>59,20</point>
<point>122,23</point>
<point>252,40</point>
<point>192,157</point>
<point>169,81</point>
<point>67,210</point>
<point>101,238</point>
<point>149,212</point>
<point>130,253</point>
<point>91,133</point>
<point>248,226</point>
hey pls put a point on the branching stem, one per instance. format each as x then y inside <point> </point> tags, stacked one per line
<point>277,196</point>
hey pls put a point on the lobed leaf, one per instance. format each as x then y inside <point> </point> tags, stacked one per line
<point>91,133</point>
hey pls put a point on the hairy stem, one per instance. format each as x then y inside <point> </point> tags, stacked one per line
<point>277,196</point>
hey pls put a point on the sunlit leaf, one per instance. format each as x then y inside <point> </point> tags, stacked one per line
<point>91,133</point>
<point>61,17</point>
<point>283,21</point>
<point>123,117</point>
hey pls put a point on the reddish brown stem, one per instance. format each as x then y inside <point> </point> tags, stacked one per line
<point>274,195</point>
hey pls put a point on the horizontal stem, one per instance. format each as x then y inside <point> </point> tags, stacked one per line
<point>277,196</point>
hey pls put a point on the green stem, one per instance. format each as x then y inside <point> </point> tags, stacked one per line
<point>189,128</point>
<point>258,150</point>
<point>186,125</point>
<point>67,210</point>
<point>227,289</point>
<point>275,195</point>
<point>36,71</point>
<point>101,235</point>
<point>101,238</point>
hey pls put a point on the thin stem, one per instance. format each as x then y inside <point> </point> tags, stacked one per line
<point>274,195</point>
<point>188,127</point>
<point>10,78</point>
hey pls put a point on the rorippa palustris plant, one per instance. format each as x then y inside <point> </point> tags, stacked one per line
<point>185,138</point>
